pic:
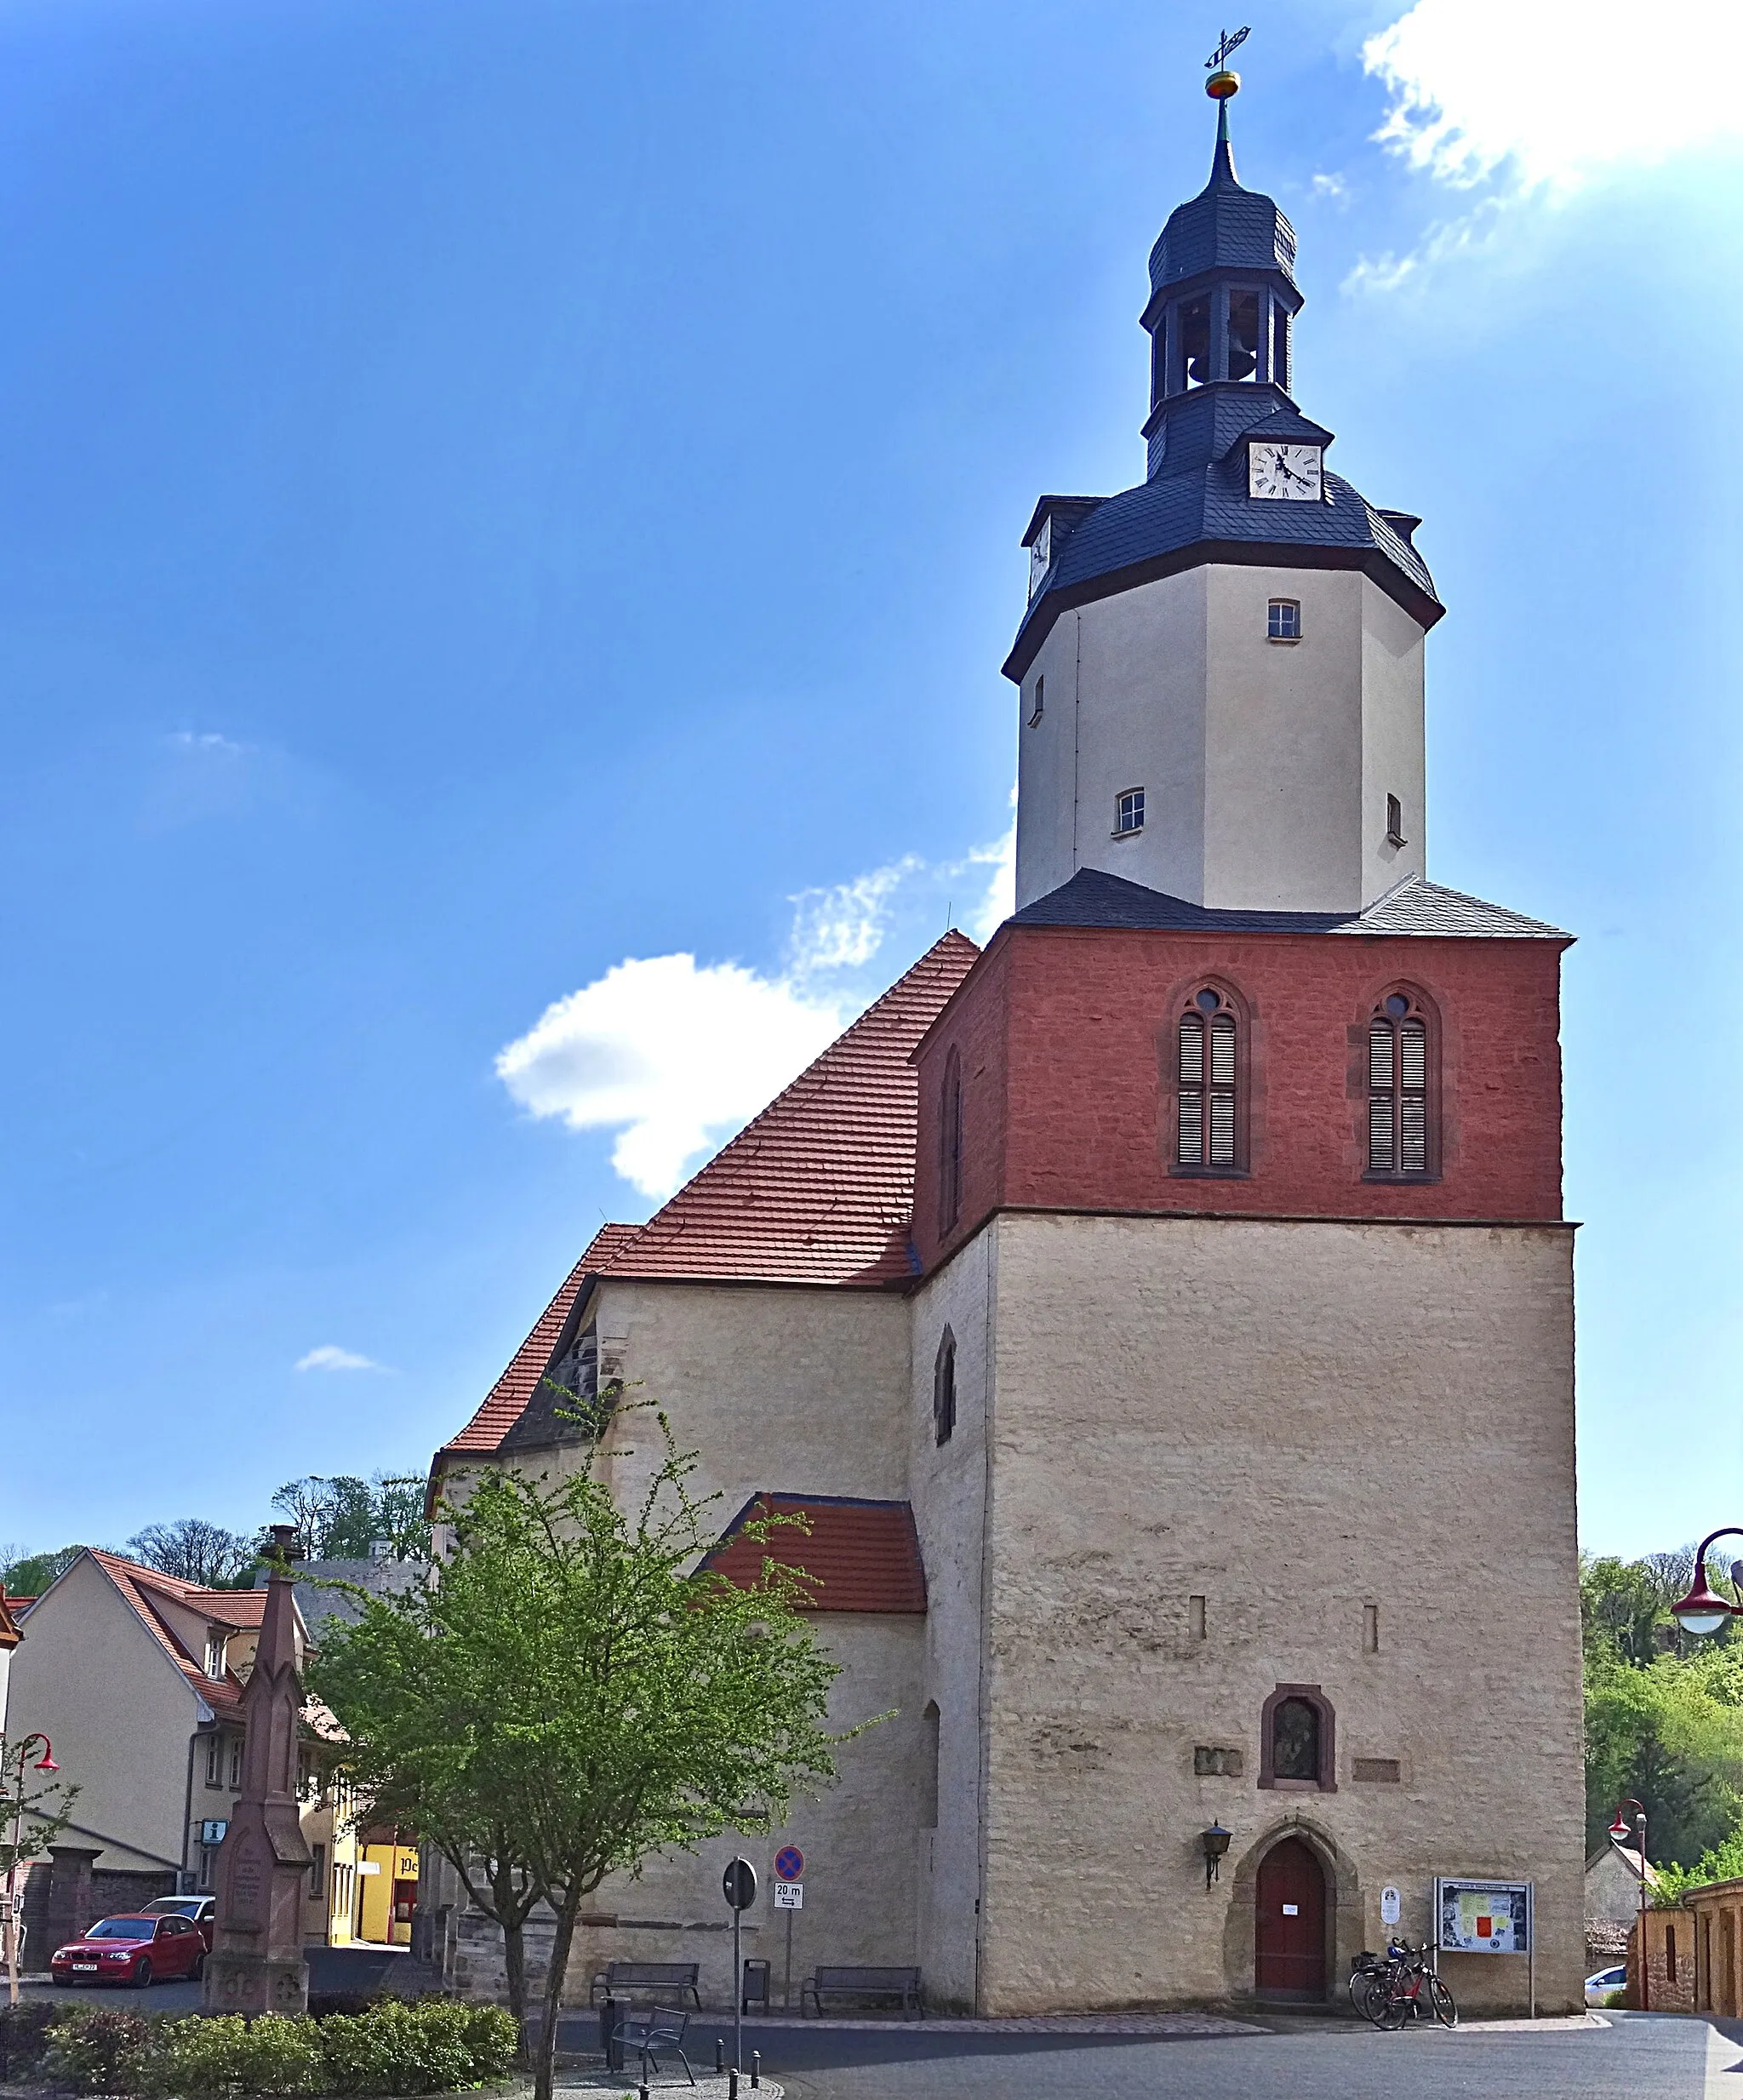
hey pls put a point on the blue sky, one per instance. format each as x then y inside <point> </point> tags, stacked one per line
<point>508,528</point>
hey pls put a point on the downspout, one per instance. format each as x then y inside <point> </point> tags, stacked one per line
<point>187,1804</point>
<point>1077,697</point>
<point>983,1718</point>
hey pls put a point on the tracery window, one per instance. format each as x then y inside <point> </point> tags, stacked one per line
<point>1400,1107</point>
<point>1295,1739</point>
<point>1208,1123</point>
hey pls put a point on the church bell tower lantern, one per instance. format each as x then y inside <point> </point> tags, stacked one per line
<point>1222,668</point>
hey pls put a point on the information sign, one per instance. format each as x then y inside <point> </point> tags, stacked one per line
<point>1392,1904</point>
<point>212,1832</point>
<point>789,1895</point>
<point>1482,1917</point>
<point>789,1864</point>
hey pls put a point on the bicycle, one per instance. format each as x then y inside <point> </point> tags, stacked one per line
<point>1404,1988</point>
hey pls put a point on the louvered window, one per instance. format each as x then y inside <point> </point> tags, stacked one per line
<point>1209,1120</point>
<point>1398,1133</point>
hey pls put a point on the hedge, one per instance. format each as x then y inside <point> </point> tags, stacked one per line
<point>395,2047</point>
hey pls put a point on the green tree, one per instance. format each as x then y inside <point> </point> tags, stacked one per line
<point>1670,1732</point>
<point>196,1551</point>
<point>572,1689</point>
<point>34,1805</point>
<point>340,1516</point>
<point>28,1575</point>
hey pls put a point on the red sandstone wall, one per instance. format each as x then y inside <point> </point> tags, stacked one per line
<point>1066,1041</point>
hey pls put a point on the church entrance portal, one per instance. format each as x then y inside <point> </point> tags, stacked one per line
<point>1289,1903</point>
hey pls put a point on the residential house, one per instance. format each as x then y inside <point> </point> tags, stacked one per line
<point>9,1638</point>
<point>1612,1899</point>
<point>136,1678</point>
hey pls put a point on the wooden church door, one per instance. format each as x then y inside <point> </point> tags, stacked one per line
<point>1290,1900</point>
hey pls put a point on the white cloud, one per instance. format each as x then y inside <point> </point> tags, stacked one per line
<point>1548,94</point>
<point>207,742</point>
<point>842,927</point>
<point>1001,898</point>
<point>1332,186</point>
<point>330,1357</point>
<point>678,1055</point>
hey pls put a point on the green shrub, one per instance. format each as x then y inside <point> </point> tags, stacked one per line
<point>217,2056</point>
<point>24,2034</point>
<point>94,2049</point>
<point>429,2047</point>
<point>1615,2001</point>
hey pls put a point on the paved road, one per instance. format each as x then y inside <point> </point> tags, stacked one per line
<point>1640,2056</point>
<point>351,1969</point>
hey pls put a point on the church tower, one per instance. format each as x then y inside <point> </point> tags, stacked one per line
<point>1222,669</point>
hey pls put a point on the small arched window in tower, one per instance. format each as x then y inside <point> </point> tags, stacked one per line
<point>1194,340</point>
<point>1295,1739</point>
<point>1208,1127</point>
<point>929,1769</point>
<point>1283,622</point>
<point>944,1389</point>
<point>1040,705</point>
<point>950,1144</point>
<point>1244,334</point>
<point>1400,1121</point>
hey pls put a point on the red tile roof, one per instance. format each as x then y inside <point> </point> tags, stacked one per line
<point>818,1189</point>
<point>863,1556</point>
<point>9,1635</point>
<point>234,1608</point>
<point>505,1403</point>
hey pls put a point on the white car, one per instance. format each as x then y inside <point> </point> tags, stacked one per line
<point>1599,1987</point>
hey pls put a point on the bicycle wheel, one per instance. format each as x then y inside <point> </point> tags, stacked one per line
<point>1370,2000</point>
<point>1441,2002</point>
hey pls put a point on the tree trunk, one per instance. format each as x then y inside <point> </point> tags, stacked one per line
<point>544,2063</point>
<point>510,1915</point>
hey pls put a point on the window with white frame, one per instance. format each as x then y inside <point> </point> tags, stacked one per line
<point>1283,620</point>
<point>1129,812</point>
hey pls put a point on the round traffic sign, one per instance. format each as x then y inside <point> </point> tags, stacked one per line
<point>738,1884</point>
<point>789,1864</point>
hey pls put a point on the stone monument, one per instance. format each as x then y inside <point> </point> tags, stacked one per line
<point>256,1964</point>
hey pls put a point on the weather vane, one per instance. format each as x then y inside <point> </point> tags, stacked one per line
<point>1227,45</point>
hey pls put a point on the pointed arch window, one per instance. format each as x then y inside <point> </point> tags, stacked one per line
<point>1209,1124</point>
<point>1401,1120</point>
<point>944,1389</point>
<point>950,1144</point>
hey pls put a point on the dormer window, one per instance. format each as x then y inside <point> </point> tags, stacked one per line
<point>1040,555</point>
<point>215,1655</point>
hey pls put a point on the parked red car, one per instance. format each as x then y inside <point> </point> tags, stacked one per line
<point>136,1946</point>
<point>202,1909</point>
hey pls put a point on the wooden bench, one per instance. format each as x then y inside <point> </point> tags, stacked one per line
<point>903,1985</point>
<point>666,1978</point>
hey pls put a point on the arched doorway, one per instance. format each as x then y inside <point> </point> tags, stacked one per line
<point>1289,1923</point>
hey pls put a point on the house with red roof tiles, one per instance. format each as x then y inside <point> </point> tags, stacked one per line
<point>1163,1319</point>
<point>8,1640</point>
<point>136,1678</point>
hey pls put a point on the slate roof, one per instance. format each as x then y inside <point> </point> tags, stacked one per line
<point>1416,905</point>
<point>863,1556</point>
<point>1224,227</point>
<point>503,1405</point>
<point>1197,513</point>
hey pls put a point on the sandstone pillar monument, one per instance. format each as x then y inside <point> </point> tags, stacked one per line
<point>256,1964</point>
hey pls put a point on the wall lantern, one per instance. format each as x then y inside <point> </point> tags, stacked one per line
<point>1215,1841</point>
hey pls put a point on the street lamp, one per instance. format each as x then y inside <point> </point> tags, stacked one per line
<point>1620,1833</point>
<point>1701,1611</point>
<point>45,1763</point>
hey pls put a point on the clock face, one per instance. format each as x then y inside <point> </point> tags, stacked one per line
<point>1283,473</point>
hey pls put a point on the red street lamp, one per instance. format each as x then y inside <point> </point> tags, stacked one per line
<point>45,1763</point>
<point>1621,1831</point>
<point>1702,1611</point>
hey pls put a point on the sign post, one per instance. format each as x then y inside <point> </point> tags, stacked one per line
<point>739,1885</point>
<point>789,1895</point>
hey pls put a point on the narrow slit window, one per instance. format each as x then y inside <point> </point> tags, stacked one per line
<point>1040,705</point>
<point>950,1144</point>
<point>944,1389</point>
<point>1280,347</point>
<point>1283,620</point>
<point>1399,1136</point>
<point>1208,1121</point>
<point>1395,822</point>
<point>1129,813</point>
